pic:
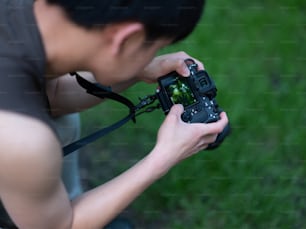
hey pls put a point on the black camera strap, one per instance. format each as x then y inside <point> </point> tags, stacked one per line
<point>103,92</point>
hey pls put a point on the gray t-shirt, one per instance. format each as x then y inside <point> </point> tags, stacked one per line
<point>22,67</point>
<point>22,61</point>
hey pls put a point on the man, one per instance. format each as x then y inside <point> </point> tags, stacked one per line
<point>116,40</point>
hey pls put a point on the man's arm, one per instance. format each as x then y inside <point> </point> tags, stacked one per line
<point>67,96</point>
<point>30,181</point>
<point>30,164</point>
<point>30,170</point>
<point>31,187</point>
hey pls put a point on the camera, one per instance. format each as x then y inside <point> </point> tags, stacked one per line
<point>196,93</point>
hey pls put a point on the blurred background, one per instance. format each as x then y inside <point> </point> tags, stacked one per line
<point>256,53</point>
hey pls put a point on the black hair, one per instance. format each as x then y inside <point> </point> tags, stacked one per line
<point>174,19</point>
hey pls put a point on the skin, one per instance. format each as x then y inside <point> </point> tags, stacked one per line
<point>30,164</point>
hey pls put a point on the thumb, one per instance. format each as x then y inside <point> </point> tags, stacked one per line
<point>177,110</point>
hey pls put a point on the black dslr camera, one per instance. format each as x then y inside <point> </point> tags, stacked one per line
<point>196,93</point>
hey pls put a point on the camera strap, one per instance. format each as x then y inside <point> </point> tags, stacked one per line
<point>103,92</point>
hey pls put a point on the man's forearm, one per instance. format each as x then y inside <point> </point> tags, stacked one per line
<point>98,206</point>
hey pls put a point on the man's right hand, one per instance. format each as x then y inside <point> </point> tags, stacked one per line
<point>178,140</point>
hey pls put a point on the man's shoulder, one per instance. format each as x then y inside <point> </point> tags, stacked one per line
<point>30,169</point>
<point>22,126</point>
<point>26,141</point>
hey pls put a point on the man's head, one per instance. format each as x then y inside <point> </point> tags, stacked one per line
<point>173,19</point>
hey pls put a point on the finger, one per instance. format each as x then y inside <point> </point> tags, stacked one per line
<point>177,110</point>
<point>183,69</point>
<point>210,138</point>
<point>185,56</point>
<point>174,115</point>
<point>200,64</point>
<point>217,127</point>
<point>176,62</point>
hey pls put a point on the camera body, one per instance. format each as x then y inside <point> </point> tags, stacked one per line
<point>196,93</point>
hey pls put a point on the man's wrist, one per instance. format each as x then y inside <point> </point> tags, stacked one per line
<point>158,165</point>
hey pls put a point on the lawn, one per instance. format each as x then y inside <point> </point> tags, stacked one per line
<point>255,52</point>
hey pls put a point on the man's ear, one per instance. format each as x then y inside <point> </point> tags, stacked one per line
<point>122,34</point>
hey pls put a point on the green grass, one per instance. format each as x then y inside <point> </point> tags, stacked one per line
<point>255,52</point>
